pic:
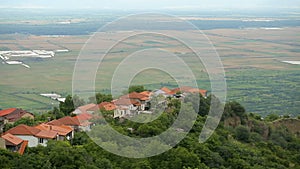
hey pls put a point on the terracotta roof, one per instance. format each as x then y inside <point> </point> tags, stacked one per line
<point>27,130</point>
<point>61,130</point>
<point>188,89</point>
<point>133,95</point>
<point>23,130</point>
<point>55,123</point>
<point>144,98</point>
<point>101,105</point>
<point>203,92</point>
<point>85,123</point>
<point>146,93</point>
<point>83,117</point>
<point>107,106</point>
<point>12,139</point>
<point>46,134</point>
<point>123,101</point>
<point>69,121</point>
<point>85,108</point>
<point>23,146</point>
<point>165,89</point>
<point>7,111</point>
<point>137,104</point>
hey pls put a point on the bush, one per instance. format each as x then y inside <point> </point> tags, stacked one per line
<point>242,133</point>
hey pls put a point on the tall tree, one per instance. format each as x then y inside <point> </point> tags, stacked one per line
<point>70,104</point>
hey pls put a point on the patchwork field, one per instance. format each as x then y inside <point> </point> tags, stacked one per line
<point>255,75</point>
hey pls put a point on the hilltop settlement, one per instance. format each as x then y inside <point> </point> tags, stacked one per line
<point>21,136</point>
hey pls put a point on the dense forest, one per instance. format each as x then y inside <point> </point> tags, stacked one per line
<point>241,141</point>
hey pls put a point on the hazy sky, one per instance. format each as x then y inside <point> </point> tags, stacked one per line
<point>153,4</point>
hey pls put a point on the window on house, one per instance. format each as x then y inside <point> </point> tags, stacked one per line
<point>41,140</point>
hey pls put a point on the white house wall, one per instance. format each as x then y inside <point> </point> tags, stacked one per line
<point>32,141</point>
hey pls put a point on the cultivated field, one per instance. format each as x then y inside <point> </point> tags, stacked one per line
<point>252,60</point>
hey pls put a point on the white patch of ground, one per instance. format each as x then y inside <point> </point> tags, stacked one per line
<point>292,62</point>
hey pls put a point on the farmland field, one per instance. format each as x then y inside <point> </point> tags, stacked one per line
<point>252,59</point>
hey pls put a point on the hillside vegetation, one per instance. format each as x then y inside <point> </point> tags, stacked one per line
<point>241,141</point>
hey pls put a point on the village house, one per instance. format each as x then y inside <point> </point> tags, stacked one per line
<point>85,109</point>
<point>131,104</point>
<point>135,103</point>
<point>33,135</point>
<point>12,115</point>
<point>125,107</point>
<point>179,92</point>
<point>13,143</point>
<point>187,89</point>
<point>77,124</point>
<point>63,132</point>
<point>84,121</point>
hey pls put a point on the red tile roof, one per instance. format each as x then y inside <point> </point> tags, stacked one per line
<point>203,92</point>
<point>188,89</point>
<point>83,117</point>
<point>146,93</point>
<point>12,139</point>
<point>85,123</point>
<point>133,95</point>
<point>23,146</point>
<point>23,130</point>
<point>144,98</point>
<point>123,101</point>
<point>7,111</point>
<point>69,121</point>
<point>165,89</point>
<point>32,131</point>
<point>46,134</point>
<point>87,107</point>
<point>55,123</point>
<point>107,106</point>
<point>61,130</point>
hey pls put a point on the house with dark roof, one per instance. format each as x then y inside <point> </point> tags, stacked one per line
<point>33,135</point>
<point>11,115</point>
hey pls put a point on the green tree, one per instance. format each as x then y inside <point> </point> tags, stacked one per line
<point>136,88</point>
<point>242,133</point>
<point>99,98</point>
<point>80,138</point>
<point>234,108</point>
<point>70,104</point>
<point>272,117</point>
<point>27,121</point>
<point>103,163</point>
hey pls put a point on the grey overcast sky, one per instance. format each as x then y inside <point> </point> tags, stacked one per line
<point>153,4</point>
